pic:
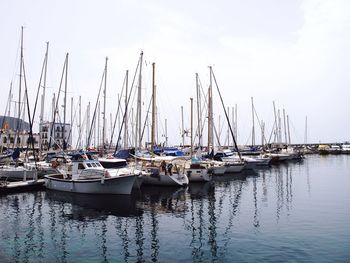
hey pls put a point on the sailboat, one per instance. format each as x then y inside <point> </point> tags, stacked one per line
<point>165,173</point>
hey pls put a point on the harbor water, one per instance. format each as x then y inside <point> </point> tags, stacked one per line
<point>291,212</point>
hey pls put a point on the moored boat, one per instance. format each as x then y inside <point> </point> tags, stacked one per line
<point>88,176</point>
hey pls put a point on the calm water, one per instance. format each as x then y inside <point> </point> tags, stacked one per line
<point>295,212</point>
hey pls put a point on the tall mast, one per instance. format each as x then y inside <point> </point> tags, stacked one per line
<point>153,108</point>
<point>253,128</point>
<point>191,127</point>
<point>126,112</point>
<point>305,139</point>
<point>104,108</point>
<point>228,129</point>
<point>199,118</point>
<point>166,133</point>
<point>71,120</point>
<point>262,133</point>
<point>88,125</point>
<point>279,126</point>
<point>79,143</point>
<point>97,130</point>
<point>64,106</point>
<point>285,127</point>
<point>276,123</point>
<point>182,127</point>
<point>138,120</point>
<point>210,114</point>
<point>236,123</point>
<point>288,129</point>
<point>44,85</point>
<point>20,84</point>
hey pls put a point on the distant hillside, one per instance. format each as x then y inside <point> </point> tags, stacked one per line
<point>12,123</point>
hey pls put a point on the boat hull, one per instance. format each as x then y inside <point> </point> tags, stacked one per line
<point>234,168</point>
<point>197,175</point>
<point>155,177</point>
<point>114,185</point>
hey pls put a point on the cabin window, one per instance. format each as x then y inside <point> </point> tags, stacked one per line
<point>93,164</point>
<point>88,164</point>
<point>98,165</point>
<point>81,166</point>
<point>4,140</point>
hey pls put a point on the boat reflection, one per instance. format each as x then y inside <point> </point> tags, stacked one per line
<point>162,199</point>
<point>85,206</point>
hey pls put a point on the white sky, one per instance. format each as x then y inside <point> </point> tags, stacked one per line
<point>293,52</point>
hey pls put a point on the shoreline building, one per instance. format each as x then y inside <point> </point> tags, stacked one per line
<point>60,136</point>
<point>14,132</point>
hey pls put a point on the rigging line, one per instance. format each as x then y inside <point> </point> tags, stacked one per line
<point>222,102</point>
<point>71,126</point>
<point>256,114</point>
<point>117,114</point>
<point>56,106</point>
<point>204,108</point>
<point>146,119</point>
<point>7,106</point>
<point>132,86</point>
<point>94,115</point>
<point>37,93</point>
<point>273,128</point>
<point>81,131</point>
<point>30,120</point>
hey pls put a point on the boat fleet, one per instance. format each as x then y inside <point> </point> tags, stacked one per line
<point>87,172</point>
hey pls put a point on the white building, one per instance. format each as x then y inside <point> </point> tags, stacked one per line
<point>8,139</point>
<point>59,134</point>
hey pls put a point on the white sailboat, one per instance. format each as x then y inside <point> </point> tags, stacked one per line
<point>165,173</point>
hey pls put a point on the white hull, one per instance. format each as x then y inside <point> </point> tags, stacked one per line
<point>160,178</point>
<point>235,168</point>
<point>17,173</point>
<point>114,185</point>
<point>197,175</point>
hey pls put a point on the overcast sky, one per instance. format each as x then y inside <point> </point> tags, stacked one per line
<point>296,53</point>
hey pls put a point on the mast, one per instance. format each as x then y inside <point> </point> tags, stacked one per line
<point>20,86</point>
<point>253,128</point>
<point>44,85</point>
<point>262,133</point>
<point>285,127</point>
<point>79,143</point>
<point>305,138</point>
<point>279,126</point>
<point>97,130</point>
<point>126,112</point>
<point>210,114</point>
<point>64,106</point>
<point>227,119</point>
<point>88,125</point>
<point>166,133</point>
<point>138,120</point>
<point>228,130</point>
<point>9,101</point>
<point>104,108</point>
<point>236,123</point>
<point>276,123</point>
<point>153,108</point>
<point>191,127</point>
<point>199,118</point>
<point>182,127</point>
<point>288,129</point>
<point>71,120</point>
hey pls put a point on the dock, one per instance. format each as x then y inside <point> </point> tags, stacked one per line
<point>21,186</point>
